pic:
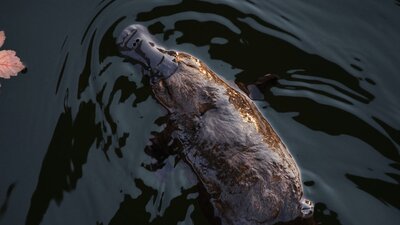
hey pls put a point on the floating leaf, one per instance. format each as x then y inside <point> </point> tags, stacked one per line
<point>10,64</point>
<point>2,38</point>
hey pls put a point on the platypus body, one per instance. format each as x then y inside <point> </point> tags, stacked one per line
<point>238,158</point>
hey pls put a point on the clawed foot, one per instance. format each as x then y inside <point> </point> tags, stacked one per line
<point>307,208</point>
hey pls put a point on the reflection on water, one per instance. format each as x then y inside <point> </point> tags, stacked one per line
<point>324,215</point>
<point>4,206</point>
<point>133,211</point>
<point>66,155</point>
<point>380,189</point>
<point>110,155</point>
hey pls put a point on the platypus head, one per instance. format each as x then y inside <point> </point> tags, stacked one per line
<point>136,43</point>
<point>176,90</point>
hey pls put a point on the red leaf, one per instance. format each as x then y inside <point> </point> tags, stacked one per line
<point>10,64</point>
<point>2,38</point>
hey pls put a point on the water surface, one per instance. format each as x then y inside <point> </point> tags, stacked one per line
<point>74,127</point>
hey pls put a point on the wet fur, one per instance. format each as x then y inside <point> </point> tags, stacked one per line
<point>244,166</point>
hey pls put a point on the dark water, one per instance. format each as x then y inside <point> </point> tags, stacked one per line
<point>74,127</point>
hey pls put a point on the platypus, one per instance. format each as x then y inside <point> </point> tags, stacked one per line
<point>234,152</point>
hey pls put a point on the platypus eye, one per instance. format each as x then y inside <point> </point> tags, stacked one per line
<point>155,77</point>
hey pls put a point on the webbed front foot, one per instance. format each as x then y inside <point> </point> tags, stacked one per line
<point>307,208</point>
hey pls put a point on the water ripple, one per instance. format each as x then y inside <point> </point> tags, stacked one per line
<point>111,123</point>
